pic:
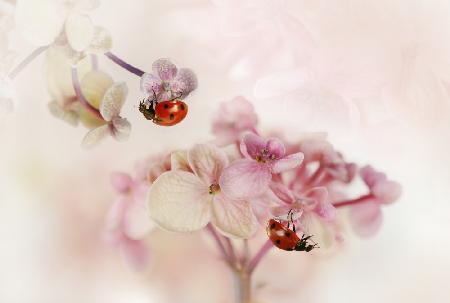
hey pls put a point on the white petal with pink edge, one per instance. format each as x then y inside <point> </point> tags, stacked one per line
<point>207,161</point>
<point>233,218</point>
<point>245,179</point>
<point>179,201</point>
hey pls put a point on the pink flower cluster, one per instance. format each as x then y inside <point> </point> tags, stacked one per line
<point>237,187</point>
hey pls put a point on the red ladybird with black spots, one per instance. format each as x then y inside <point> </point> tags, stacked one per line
<point>286,239</point>
<point>164,113</point>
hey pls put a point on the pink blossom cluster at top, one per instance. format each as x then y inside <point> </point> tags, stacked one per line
<point>238,184</point>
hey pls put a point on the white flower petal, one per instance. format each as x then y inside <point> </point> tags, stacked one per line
<point>67,115</point>
<point>94,86</point>
<point>79,31</point>
<point>113,100</point>
<point>207,161</point>
<point>179,161</point>
<point>101,41</point>
<point>95,136</point>
<point>40,22</point>
<point>321,232</point>
<point>178,201</point>
<point>121,129</point>
<point>233,218</point>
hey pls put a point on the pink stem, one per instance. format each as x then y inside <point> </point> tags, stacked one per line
<point>261,253</point>
<point>353,201</point>
<point>230,248</point>
<point>80,96</point>
<point>219,243</point>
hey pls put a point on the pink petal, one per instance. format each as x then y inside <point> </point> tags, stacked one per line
<point>150,83</point>
<point>282,192</point>
<point>275,147</point>
<point>287,163</point>
<point>387,191</point>
<point>207,161</point>
<point>366,218</point>
<point>233,217</point>
<point>370,176</point>
<point>137,224</point>
<point>184,83</point>
<point>261,206</point>
<point>135,252</point>
<point>252,145</point>
<point>179,201</point>
<point>114,217</point>
<point>245,179</point>
<point>121,181</point>
<point>320,204</point>
<point>165,69</point>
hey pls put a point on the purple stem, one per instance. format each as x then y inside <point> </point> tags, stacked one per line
<point>219,243</point>
<point>123,64</point>
<point>80,96</point>
<point>27,61</point>
<point>261,253</point>
<point>353,201</point>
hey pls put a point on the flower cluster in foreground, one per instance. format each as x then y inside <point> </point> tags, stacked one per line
<point>236,186</point>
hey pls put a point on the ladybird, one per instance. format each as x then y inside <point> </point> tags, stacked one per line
<point>165,113</point>
<point>286,239</point>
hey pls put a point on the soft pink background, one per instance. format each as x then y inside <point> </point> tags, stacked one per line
<point>381,71</point>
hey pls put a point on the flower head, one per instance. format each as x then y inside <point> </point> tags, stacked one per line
<point>250,177</point>
<point>167,81</point>
<point>185,201</point>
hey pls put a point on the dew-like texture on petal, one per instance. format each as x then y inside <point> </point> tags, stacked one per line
<point>233,218</point>
<point>101,41</point>
<point>95,136</point>
<point>252,145</point>
<point>79,31</point>
<point>179,161</point>
<point>184,83</point>
<point>366,218</point>
<point>207,161</point>
<point>39,22</point>
<point>179,201</point>
<point>121,129</point>
<point>67,115</point>
<point>287,163</point>
<point>150,83</point>
<point>121,181</point>
<point>94,86</point>
<point>165,69</point>
<point>245,179</point>
<point>113,100</point>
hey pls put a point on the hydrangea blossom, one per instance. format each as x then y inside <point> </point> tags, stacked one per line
<point>249,177</point>
<point>167,81</point>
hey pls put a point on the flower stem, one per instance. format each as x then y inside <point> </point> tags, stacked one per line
<point>259,255</point>
<point>219,243</point>
<point>16,70</point>
<point>80,96</point>
<point>242,285</point>
<point>124,65</point>
<point>353,201</point>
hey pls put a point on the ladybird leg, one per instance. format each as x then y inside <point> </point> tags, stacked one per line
<point>293,227</point>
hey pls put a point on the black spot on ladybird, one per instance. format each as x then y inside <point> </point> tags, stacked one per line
<point>171,117</point>
<point>182,106</point>
<point>166,105</point>
<point>272,226</point>
<point>278,241</point>
<point>287,234</point>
